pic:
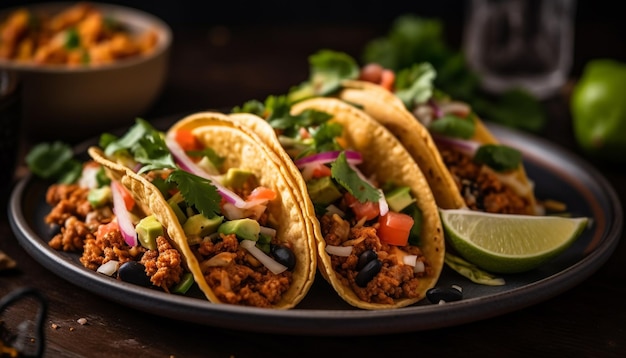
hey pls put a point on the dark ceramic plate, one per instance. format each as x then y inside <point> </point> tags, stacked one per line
<point>557,175</point>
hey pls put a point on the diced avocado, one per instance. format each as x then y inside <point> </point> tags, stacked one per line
<point>198,226</point>
<point>99,196</point>
<point>174,203</point>
<point>399,198</point>
<point>148,229</point>
<point>236,177</point>
<point>323,191</point>
<point>246,229</point>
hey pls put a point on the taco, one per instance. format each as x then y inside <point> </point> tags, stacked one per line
<point>465,165</point>
<point>380,243</point>
<point>218,192</point>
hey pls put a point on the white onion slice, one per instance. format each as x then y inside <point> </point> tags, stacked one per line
<point>339,250</point>
<point>267,261</point>
<point>123,216</point>
<point>332,209</point>
<point>411,260</point>
<point>108,268</point>
<point>271,232</point>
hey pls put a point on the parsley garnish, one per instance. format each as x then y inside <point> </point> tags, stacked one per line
<point>345,175</point>
<point>498,157</point>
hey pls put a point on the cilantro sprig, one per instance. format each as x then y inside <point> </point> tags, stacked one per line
<point>197,191</point>
<point>54,161</point>
<point>348,178</point>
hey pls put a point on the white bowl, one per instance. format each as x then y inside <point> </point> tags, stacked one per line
<point>60,102</point>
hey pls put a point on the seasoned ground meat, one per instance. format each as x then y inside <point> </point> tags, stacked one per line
<point>163,265</point>
<point>108,245</point>
<point>394,281</point>
<point>96,235</point>
<point>242,280</point>
<point>481,189</point>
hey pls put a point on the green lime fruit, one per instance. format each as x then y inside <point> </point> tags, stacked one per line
<point>599,111</point>
<point>503,243</point>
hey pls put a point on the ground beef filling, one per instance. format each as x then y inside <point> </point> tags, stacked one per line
<point>95,234</point>
<point>236,277</point>
<point>481,189</point>
<point>394,281</point>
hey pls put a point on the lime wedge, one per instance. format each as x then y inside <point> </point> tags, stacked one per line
<point>503,243</point>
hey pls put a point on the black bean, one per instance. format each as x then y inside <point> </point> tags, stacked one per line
<point>367,273</point>
<point>364,258</point>
<point>284,256</point>
<point>53,230</point>
<point>449,294</point>
<point>134,272</point>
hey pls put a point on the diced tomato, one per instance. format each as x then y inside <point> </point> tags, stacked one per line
<point>107,228</point>
<point>321,171</point>
<point>187,140</point>
<point>368,210</point>
<point>387,79</point>
<point>394,228</point>
<point>261,193</point>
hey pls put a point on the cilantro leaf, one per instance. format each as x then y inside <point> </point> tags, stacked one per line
<point>452,126</point>
<point>197,191</point>
<point>144,143</point>
<point>348,178</point>
<point>54,161</point>
<point>498,157</point>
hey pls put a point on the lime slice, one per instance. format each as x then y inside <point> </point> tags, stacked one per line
<point>503,243</point>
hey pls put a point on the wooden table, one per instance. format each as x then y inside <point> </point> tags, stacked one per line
<point>587,320</point>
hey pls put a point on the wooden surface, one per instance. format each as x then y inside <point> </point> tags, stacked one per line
<point>586,321</point>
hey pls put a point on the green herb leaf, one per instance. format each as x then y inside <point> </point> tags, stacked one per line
<point>471,271</point>
<point>453,126</point>
<point>345,175</point>
<point>197,192</point>
<point>414,85</point>
<point>144,143</point>
<point>54,161</point>
<point>72,39</point>
<point>418,220</point>
<point>498,157</point>
<point>328,68</point>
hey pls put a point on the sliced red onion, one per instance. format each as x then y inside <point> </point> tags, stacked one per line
<point>327,157</point>
<point>339,250</point>
<point>123,216</point>
<point>108,268</point>
<point>465,146</point>
<point>267,261</point>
